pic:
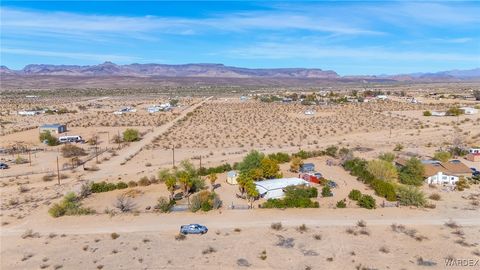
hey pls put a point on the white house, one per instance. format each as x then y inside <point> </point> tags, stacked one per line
<point>469,110</point>
<point>442,179</point>
<point>274,188</point>
<point>474,150</point>
<point>309,112</point>
<point>435,113</point>
<point>29,113</point>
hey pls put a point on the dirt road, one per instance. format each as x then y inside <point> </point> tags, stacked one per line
<point>232,219</point>
<point>110,167</point>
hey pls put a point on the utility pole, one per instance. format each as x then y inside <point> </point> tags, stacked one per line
<point>30,157</point>
<point>173,156</point>
<point>58,172</point>
<point>200,162</point>
<point>96,154</point>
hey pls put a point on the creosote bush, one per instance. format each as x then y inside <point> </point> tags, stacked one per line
<point>69,206</point>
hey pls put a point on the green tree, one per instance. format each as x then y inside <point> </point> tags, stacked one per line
<point>382,170</point>
<point>270,168</point>
<point>47,137</point>
<point>412,172</point>
<point>442,156</point>
<point>427,113</point>
<point>252,192</point>
<point>242,180</point>
<point>131,135</point>
<point>171,183</point>
<point>251,161</point>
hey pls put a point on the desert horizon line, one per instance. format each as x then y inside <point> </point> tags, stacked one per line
<point>279,68</point>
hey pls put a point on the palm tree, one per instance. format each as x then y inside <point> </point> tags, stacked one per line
<point>252,192</point>
<point>171,183</point>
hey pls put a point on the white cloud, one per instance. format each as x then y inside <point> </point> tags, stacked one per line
<point>36,22</point>
<point>297,50</point>
<point>70,55</point>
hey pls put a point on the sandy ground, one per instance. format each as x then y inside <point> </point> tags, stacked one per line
<point>222,131</point>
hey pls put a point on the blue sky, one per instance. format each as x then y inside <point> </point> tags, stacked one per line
<point>352,38</point>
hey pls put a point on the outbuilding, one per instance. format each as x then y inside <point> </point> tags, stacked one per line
<point>53,128</point>
<point>469,110</point>
<point>232,177</point>
<point>274,188</point>
<point>307,167</point>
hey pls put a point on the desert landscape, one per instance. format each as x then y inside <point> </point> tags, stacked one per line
<point>207,132</point>
<point>239,135</point>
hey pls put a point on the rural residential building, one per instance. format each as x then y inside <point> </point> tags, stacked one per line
<point>442,179</point>
<point>436,172</point>
<point>469,110</point>
<point>445,172</point>
<point>53,128</point>
<point>274,188</point>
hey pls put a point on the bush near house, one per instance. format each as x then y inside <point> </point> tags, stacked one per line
<point>427,113</point>
<point>69,206</point>
<point>205,201</point>
<point>280,157</point>
<point>164,205</point>
<point>219,169</point>
<point>355,195</point>
<point>103,187</point>
<point>326,192</point>
<point>367,201</point>
<point>359,167</point>
<point>49,138</point>
<point>410,195</point>
<point>384,189</point>
<point>341,204</point>
<point>295,197</point>
<point>442,156</point>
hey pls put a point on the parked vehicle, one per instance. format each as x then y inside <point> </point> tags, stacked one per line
<point>3,166</point>
<point>318,175</point>
<point>473,169</point>
<point>70,139</point>
<point>193,229</point>
<point>332,184</point>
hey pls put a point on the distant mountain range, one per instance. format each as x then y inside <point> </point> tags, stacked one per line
<point>208,72</point>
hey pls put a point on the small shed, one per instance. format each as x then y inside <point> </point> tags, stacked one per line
<point>307,167</point>
<point>53,128</point>
<point>232,177</point>
<point>274,188</point>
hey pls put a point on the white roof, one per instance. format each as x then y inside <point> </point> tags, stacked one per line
<point>266,185</point>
